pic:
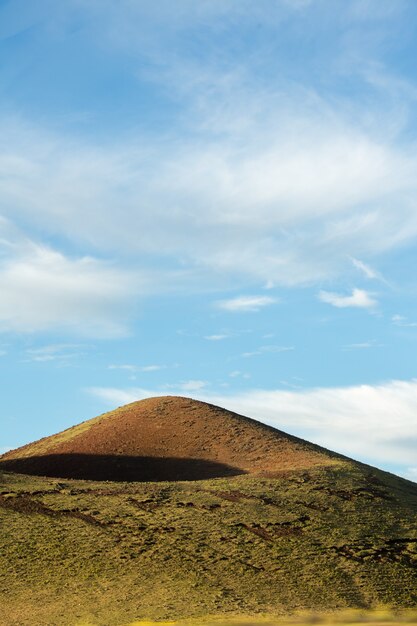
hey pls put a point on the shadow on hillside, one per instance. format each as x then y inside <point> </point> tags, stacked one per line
<point>119,468</point>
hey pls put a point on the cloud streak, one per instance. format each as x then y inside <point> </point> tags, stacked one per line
<point>270,349</point>
<point>137,368</point>
<point>245,303</point>
<point>55,352</point>
<point>367,270</point>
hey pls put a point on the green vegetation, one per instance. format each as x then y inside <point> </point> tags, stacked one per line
<point>113,553</point>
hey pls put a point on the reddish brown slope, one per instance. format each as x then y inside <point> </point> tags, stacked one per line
<point>166,438</point>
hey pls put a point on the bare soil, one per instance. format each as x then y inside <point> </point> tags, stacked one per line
<point>166,438</point>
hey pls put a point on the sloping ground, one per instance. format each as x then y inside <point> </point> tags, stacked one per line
<point>277,525</point>
<point>168,438</point>
<point>84,552</point>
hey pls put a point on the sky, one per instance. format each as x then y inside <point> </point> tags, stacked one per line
<point>215,199</point>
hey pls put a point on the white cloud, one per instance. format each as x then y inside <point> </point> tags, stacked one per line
<point>126,367</point>
<point>268,349</point>
<point>191,385</point>
<point>364,345</point>
<point>372,423</point>
<point>137,368</point>
<point>245,303</point>
<point>358,299</point>
<point>55,352</point>
<point>271,184</point>
<point>219,337</point>
<point>239,374</point>
<point>401,320</point>
<point>307,189</point>
<point>271,180</point>
<point>367,270</point>
<point>291,385</point>
<point>43,289</point>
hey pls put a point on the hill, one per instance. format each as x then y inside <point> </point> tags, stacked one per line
<point>169,508</point>
<point>166,438</point>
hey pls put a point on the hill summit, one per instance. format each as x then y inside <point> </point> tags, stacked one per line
<point>166,438</point>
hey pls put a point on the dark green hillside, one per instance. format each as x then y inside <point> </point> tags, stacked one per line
<point>274,524</point>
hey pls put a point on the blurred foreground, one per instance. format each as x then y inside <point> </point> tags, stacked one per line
<point>343,618</point>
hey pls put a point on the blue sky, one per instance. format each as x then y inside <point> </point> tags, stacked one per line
<point>215,199</point>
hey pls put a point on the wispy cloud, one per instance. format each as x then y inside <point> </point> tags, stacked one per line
<point>289,384</point>
<point>219,337</point>
<point>271,349</point>
<point>55,352</point>
<point>239,374</point>
<point>191,385</point>
<point>126,367</point>
<point>278,181</point>
<point>137,368</point>
<point>364,345</point>
<point>285,210</point>
<point>245,303</point>
<point>401,320</point>
<point>367,270</point>
<point>358,299</point>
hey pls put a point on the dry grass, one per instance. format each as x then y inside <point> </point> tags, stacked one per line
<point>107,554</point>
